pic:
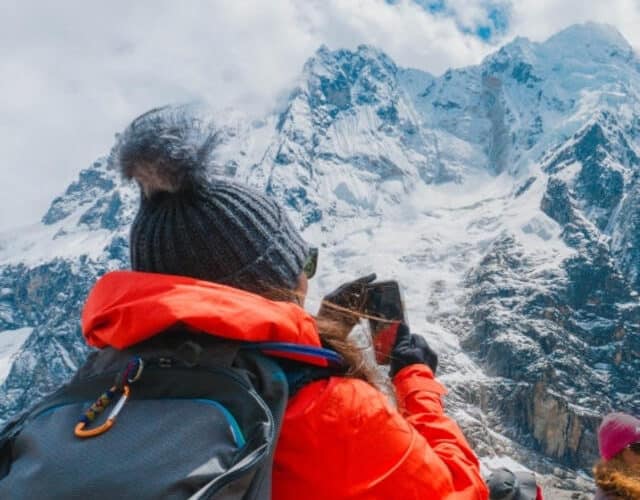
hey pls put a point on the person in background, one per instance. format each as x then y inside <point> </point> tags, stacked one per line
<point>617,474</point>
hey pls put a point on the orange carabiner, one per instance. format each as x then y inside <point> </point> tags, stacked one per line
<point>97,408</point>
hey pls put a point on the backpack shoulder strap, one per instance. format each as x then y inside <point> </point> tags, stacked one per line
<point>302,364</point>
<point>299,375</point>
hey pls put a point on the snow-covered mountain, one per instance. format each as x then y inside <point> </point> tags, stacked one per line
<point>505,197</point>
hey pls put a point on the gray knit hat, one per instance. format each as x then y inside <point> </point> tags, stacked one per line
<point>194,225</point>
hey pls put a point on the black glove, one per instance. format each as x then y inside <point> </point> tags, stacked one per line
<point>348,299</point>
<point>411,349</point>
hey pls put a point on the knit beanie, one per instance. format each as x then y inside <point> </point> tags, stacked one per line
<point>616,432</point>
<point>190,223</point>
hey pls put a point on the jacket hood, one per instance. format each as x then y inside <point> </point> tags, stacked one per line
<point>127,307</point>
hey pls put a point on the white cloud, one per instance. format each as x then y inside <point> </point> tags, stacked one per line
<point>539,19</point>
<point>411,36</point>
<point>76,72</point>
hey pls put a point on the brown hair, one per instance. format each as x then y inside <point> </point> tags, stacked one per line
<point>617,477</point>
<point>358,366</point>
<point>334,336</point>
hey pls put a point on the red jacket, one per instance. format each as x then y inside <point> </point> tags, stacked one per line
<point>341,438</point>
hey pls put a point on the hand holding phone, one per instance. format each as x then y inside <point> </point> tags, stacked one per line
<point>411,349</point>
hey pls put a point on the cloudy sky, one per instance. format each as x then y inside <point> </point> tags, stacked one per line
<point>73,72</point>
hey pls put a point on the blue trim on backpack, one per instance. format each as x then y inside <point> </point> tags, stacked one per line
<point>233,423</point>
<point>289,347</point>
<point>48,411</point>
<point>238,436</point>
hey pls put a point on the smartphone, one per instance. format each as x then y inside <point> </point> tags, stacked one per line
<point>383,301</point>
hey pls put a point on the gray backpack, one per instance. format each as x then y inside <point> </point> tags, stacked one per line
<point>200,421</point>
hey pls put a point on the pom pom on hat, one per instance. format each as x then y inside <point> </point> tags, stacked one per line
<point>166,150</point>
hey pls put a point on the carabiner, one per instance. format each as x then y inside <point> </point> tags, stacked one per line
<point>96,409</point>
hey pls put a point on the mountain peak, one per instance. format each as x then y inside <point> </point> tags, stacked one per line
<point>590,33</point>
<point>325,58</point>
<point>520,48</point>
<point>344,77</point>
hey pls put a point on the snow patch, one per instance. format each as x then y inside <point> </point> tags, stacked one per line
<point>10,343</point>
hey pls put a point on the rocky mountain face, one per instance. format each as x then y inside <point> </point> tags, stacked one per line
<point>565,338</point>
<point>505,197</point>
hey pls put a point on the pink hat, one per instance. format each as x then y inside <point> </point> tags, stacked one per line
<point>617,431</point>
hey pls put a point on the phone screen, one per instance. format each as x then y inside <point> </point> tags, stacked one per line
<point>384,301</point>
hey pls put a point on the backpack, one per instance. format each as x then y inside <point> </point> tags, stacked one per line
<point>199,422</point>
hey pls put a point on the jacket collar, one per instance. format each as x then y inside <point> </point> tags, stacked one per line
<point>125,308</point>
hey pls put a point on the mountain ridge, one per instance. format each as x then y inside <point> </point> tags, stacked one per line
<point>503,196</point>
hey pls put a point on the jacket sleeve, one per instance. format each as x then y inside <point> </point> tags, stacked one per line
<point>419,401</point>
<point>342,438</point>
<point>412,452</point>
